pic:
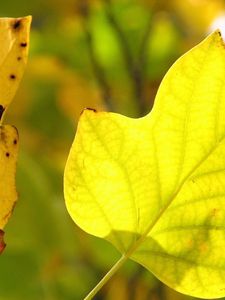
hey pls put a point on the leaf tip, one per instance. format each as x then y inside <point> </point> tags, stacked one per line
<point>88,109</point>
<point>217,35</point>
<point>27,19</point>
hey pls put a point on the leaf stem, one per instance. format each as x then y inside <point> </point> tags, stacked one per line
<point>106,278</point>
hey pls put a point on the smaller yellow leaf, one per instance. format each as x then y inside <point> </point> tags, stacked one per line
<point>8,158</point>
<point>14,41</point>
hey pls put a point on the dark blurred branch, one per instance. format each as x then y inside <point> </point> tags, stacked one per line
<point>133,281</point>
<point>120,35</point>
<point>141,63</point>
<point>134,69</point>
<point>157,291</point>
<point>98,71</point>
<point>97,68</point>
<point>142,58</point>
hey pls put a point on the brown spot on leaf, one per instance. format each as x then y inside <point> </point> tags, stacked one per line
<point>12,76</point>
<point>19,58</point>
<point>7,154</point>
<point>2,109</point>
<point>15,142</point>
<point>214,212</point>
<point>17,24</point>
<point>2,243</point>
<point>23,44</point>
<point>89,108</point>
<point>92,109</point>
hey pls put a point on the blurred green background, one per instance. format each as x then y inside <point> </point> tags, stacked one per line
<point>103,54</point>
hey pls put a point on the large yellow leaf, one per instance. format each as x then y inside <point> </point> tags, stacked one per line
<point>14,40</point>
<point>155,186</point>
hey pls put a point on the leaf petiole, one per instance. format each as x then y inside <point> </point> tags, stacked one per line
<point>106,278</point>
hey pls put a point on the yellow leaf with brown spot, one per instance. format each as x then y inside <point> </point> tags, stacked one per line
<point>14,41</point>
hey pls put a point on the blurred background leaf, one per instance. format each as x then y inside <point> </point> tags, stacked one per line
<point>109,55</point>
